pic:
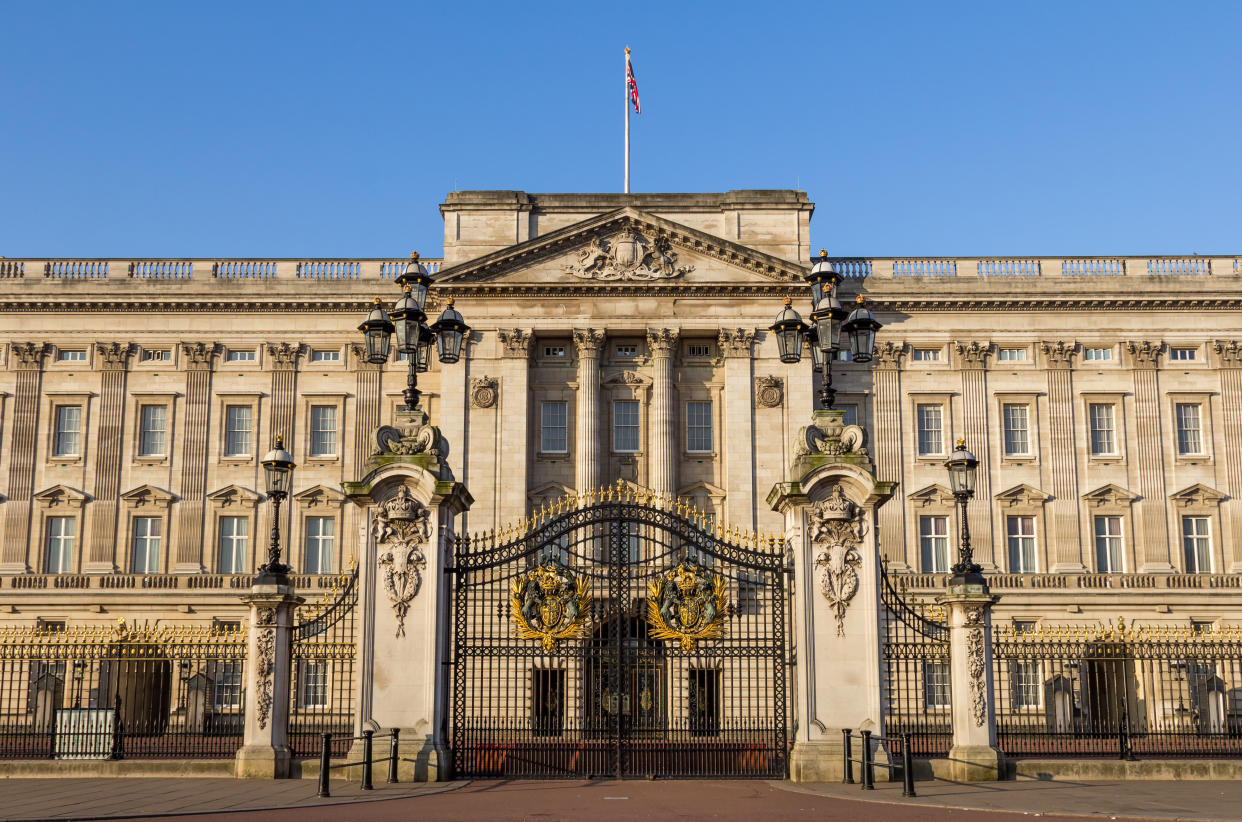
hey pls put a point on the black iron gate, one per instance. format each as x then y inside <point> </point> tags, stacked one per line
<point>619,635</point>
<point>917,690</point>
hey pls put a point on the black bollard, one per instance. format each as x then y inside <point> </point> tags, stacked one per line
<point>868,774</point>
<point>325,755</point>
<point>366,760</point>
<point>392,756</point>
<point>907,767</point>
<point>848,779</point>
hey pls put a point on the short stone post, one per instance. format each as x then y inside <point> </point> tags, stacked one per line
<point>269,654</point>
<point>974,756</point>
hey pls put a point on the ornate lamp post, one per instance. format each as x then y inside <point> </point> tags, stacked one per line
<point>414,336</point>
<point>829,320</point>
<point>278,472</point>
<point>962,466</point>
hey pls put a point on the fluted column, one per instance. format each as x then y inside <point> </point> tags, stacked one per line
<point>662,462</point>
<point>370,398</point>
<point>1229,355</point>
<point>1153,551</point>
<point>199,358</point>
<point>737,439</point>
<point>27,360</point>
<point>886,438</point>
<point>101,550</point>
<point>1065,548</point>
<point>587,473</point>
<point>513,446</point>
<point>973,357</point>
<point>283,358</point>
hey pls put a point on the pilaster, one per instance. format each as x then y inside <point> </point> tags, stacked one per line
<point>662,465</point>
<point>369,390</point>
<point>1066,542</point>
<point>1229,362</point>
<point>514,449</point>
<point>269,656</point>
<point>587,476</point>
<point>886,440</point>
<point>27,361</point>
<point>974,756</point>
<point>102,514</point>
<point>736,345</point>
<point>199,358</point>
<point>973,357</point>
<point>1153,549</point>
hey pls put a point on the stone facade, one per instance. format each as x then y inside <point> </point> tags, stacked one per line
<point>623,337</point>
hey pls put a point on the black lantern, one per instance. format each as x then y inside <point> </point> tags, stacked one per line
<point>818,356</point>
<point>407,316</point>
<point>450,330</point>
<point>823,276</point>
<point>423,349</point>
<point>278,472</point>
<point>377,331</point>
<point>416,277</point>
<point>828,316</point>
<point>789,329</point>
<point>962,466</point>
<point>860,328</point>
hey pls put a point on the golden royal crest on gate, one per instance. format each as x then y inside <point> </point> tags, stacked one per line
<point>688,604</point>
<point>550,603</point>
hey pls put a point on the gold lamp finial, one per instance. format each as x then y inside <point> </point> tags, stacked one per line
<point>450,302</point>
<point>788,300</point>
<point>823,252</point>
<point>961,442</point>
<point>413,255</point>
<point>859,299</point>
<point>378,301</point>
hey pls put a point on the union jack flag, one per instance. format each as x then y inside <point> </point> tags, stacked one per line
<point>632,84</point>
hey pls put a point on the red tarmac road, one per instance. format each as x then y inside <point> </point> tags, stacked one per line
<point>604,801</point>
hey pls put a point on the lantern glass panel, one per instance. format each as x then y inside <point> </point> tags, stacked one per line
<point>789,343</point>
<point>448,345</point>
<point>378,344</point>
<point>862,343</point>
<point>278,477</point>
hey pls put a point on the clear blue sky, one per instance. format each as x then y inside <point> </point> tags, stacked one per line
<point>335,129</point>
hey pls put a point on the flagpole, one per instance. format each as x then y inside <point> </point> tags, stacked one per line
<point>627,119</point>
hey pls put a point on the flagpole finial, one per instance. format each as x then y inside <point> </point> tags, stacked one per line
<point>627,49</point>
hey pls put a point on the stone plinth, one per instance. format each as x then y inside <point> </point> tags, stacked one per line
<point>269,651</point>
<point>974,756</point>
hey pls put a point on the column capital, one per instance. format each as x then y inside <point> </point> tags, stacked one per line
<point>516,343</point>
<point>359,353</point>
<point>662,341</point>
<point>736,342</point>
<point>888,355</point>
<point>974,354</point>
<point>28,356</point>
<point>199,356</point>
<point>284,356</point>
<point>1059,353</point>
<point>114,356</point>
<point>1145,354</point>
<point>589,341</point>
<point>1229,352</point>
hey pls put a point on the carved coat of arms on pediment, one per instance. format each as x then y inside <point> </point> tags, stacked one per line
<point>627,255</point>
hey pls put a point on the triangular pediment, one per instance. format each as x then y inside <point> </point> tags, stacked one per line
<point>1196,496</point>
<point>548,493</point>
<point>320,495</point>
<point>148,495</point>
<point>1107,496</point>
<point>625,377</point>
<point>625,247</point>
<point>1022,496</point>
<point>934,495</point>
<point>235,496</point>
<point>61,496</point>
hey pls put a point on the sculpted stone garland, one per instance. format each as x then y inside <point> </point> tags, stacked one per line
<point>837,530</point>
<point>265,646</point>
<point>975,665</point>
<point>401,527</point>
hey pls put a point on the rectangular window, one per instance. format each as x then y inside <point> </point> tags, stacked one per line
<point>627,350</point>
<point>547,701</point>
<point>323,355</point>
<point>1027,684</point>
<point>155,355</point>
<point>936,684</point>
<point>698,350</point>
<point>70,355</point>
<point>1108,545</point>
<point>320,545</point>
<point>1197,541</point>
<point>703,701</point>
<point>1021,532</point>
<point>934,544</point>
<point>1188,439</point>
<point>1016,419</point>
<point>323,431</point>
<point>227,675</point>
<point>145,546</point>
<point>930,430</point>
<point>152,430</point>
<point>1182,354</point>
<point>1097,354</point>
<point>1101,417</point>
<point>67,434</point>
<point>234,544</point>
<point>699,426</point>
<point>625,426</point>
<point>236,355</point>
<point>554,427</point>
<point>313,683</point>
<point>851,414</point>
<point>1011,355</point>
<point>238,425</point>
<point>58,556</point>
<point>554,351</point>
<point>926,354</point>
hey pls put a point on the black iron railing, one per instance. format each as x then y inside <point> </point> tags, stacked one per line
<point>917,691</point>
<point>321,688</point>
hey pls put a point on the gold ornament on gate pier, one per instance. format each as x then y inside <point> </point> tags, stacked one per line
<point>550,603</point>
<point>688,604</point>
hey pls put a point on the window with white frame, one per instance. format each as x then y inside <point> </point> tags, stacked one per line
<point>555,351</point>
<point>148,533</point>
<point>227,675</point>
<point>934,543</point>
<point>627,350</point>
<point>554,427</point>
<point>323,431</point>
<point>238,428</point>
<point>312,683</point>
<point>699,426</point>
<point>1183,354</point>
<point>1108,558</point>
<point>240,355</point>
<point>937,688</point>
<point>1027,684</point>
<point>152,430</point>
<point>67,431</point>
<point>155,355</point>
<point>698,350</point>
<point>320,545</point>
<point>1197,544</point>
<point>1189,435</point>
<point>1097,354</point>
<point>1102,419</point>
<point>1011,355</point>
<point>1021,534</point>
<point>925,354</point>
<point>325,355</point>
<point>625,426</point>
<point>1015,418</point>
<point>58,544</point>
<point>234,545</point>
<point>70,355</point>
<point>929,419</point>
